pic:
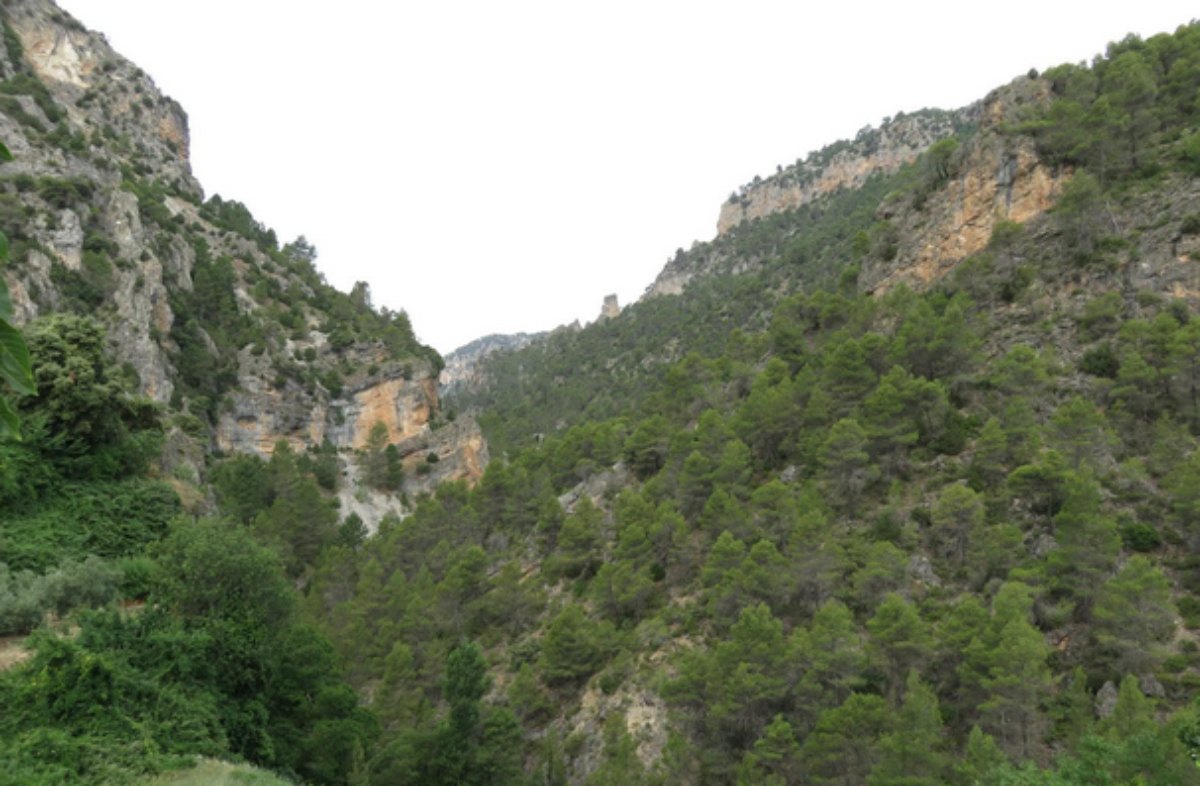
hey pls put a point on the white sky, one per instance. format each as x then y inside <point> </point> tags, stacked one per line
<point>501,166</point>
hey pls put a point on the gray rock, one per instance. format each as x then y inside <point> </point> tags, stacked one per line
<point>1151,686</point>
<point>1106,700</point>
<point>921,569</point>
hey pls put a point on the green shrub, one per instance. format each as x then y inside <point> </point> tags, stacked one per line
<point>25,597</point>
<point>138,575</point>
<point>1100,361</point>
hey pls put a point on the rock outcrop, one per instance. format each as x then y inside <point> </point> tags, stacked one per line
<point>846,164</point>
<point>105,218</point>
<point>998,177</point>
<point>611,308</point>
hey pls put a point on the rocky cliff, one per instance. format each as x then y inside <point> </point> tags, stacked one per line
<point>846,164</point>
<point>995,176</point>
<point>206,310</point>
<point>837,168</point>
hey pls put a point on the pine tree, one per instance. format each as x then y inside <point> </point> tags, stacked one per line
<point>846,464</point>
<point>1088,545</point>
<point>1016,682</point>
<point>841,750</point>
<point>912,755</point>
<point>900,642</point>
<point>1134,616</point>
<point>957,518</point>
<point>775,758</point>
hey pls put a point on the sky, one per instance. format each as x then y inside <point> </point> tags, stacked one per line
<point>498,167</point>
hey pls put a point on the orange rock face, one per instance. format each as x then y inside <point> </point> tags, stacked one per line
<point>404,407</point>
<point>997,185</point>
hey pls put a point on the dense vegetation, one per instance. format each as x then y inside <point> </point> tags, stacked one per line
<point>209,655</point>
<point>611,367</point>
<point>772,530</point>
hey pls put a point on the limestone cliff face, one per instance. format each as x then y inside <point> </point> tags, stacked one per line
<point>846,164</point>
<point>999,178</point>
<point>403,397</point>
<point>105,218</point>
<point>95,97</point>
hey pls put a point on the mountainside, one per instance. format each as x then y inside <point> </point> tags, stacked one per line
<point>895,481</point>
<point>460,371</point>
<point>855,428</point>
<point>210,314</point>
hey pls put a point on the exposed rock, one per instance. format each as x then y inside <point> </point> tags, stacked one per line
<point>1043,545</point>
<point>98,87</point>
<point>1151,686</point>
<point>596,486</point>
<point>1106,700</point>
<point>999,177</point>
<point>921,569</point>
<point>369,505</point>
<point>461,452</point>
<point>404,406</point>
<point>121,190</point>
<point>845,164</point>
<point>611,308</point>
<point>645,717</point>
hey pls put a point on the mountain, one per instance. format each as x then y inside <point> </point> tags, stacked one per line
<point>207,310</point>
<point>460,370</point>
<point>894,481</point>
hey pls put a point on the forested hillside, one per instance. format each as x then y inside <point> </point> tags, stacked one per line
<point>903,487</point>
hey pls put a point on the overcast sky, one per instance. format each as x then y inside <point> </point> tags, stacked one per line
<point>501,166</point>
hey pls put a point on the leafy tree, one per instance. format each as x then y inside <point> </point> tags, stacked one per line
<point>474,744</point>
<point>891,431</point>
<point>883,571</point>
<point>381,467</point>
<point>981,758</point>
<point>300,521</point>
<point>1133,88</point>
<point>81,403</point>
<point>619,764</point>
<point>1079,217</point>
<point>766,418</point>
<point>212,570</point>
<point>1080,432</point>
<point>1183,486</point>
<point>578,541</point>
<point>646,447</point>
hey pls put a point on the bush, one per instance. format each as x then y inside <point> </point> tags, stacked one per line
<point>1100,361</point>
<point>1140,537</point>
<point>25,598</point>
<point>138,575</point>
